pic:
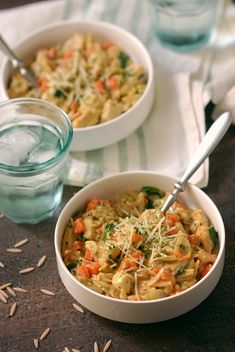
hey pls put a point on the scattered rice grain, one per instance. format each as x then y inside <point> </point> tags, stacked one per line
<point>21,243</point>
<point>2,265</point>
<point>66,349</point>
<point>3,298</point>
<point>20,289</point>
<point>78,308</point>
<point>36,343</point>
<point>41,261</point>
<point>5,285</point>
<point>11,291</point>
<point>75,350</point>
<point>44,334</point>
<point>47,292</point>
<point>1,216</point>
<point>13,309</point>
<point>96,349</point>
<point>14,250</point>
<point>4,293</point>
<point>107,346</point>
<point>26,270</point>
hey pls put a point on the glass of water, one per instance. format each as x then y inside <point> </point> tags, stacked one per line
<point>184,25</point>
<point>34,142</point>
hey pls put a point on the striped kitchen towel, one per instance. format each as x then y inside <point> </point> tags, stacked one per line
<point>168,138</point>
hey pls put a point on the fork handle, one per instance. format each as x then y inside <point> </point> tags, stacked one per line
<point>209,142</point>
<point>16,62</point>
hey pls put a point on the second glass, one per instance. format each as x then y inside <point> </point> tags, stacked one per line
<point>34,142</point>
<point>184,25</point>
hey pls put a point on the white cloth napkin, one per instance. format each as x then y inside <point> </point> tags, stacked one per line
<point>167,140</point>
<point>221,84</point>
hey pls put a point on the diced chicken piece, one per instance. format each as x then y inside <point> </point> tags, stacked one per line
<point>89,117</point>
<point>90,231</point>
<point>76,42</point>
<point>203,232</point>
<point>198,220</point>
<point>111,109</point>
<point>92,246</point>
<point>123,282</point>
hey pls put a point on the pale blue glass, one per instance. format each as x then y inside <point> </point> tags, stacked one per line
<point>184,25</point>
<point>34,143</point>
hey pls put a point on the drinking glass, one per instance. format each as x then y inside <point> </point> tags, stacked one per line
<point>34,142</point>
<point>184,25</point>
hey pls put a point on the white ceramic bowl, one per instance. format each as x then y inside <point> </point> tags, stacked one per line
<point>142,311</point>
<point>101,135</point>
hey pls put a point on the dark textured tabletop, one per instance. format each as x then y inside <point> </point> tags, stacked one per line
<point>208,327</point>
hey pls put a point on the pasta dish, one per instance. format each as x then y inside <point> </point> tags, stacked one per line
<point>128,249</point>
<point>92,82</point>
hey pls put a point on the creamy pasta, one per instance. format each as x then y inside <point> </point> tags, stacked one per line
<point>93,82</point>
<point>128,249</point>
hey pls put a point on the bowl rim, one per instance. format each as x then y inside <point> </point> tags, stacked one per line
<point>117,300</point>
<point>101,24</point>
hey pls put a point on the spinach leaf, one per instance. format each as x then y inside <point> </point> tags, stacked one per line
<point>123,59</point>
<point>71,266</point>
<point>58,93</point>
<point>213,235</point>
<point>107,230</point>
<point>180,270</point>
<point>149,190</point>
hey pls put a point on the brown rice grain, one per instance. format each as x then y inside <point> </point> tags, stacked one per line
<point>36,343</point>
<point>13,309</point>
<point>3,298</point>
<point>14,250</point>
<point>44,334</point>
<point>78,308</point>
<point>96,349</point>
<point>41,261</point>
<point>26,270</point>
<point>107,346</point>
<point>21,243</point>
<point>5,285</point>
<point>47,292</point>
<point>11,291</point>
<point>20,289</point>
<point>4,293</point>
<point>2,265</point>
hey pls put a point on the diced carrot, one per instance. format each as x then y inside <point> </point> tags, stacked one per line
<point>136,254</point>
<point>136,238</point>
<point>107,202</point>
<point>88,255</point>
<point>206,269</point>
<point>112,83</point>
<point>128,264</point>
<point>43,84</point>
<point>82,270</point>
<point>107,45</point>
<point>166,275</point>
<point>100,85</point>
<point>173,218</point>
<point>93,268</point>
<point>154,271</point>
<point>68,55</point>
<point>78,245</point>
<point>99,231</point>
<point>51,53</point>
<point>178,253</point>
<point>75,105</point>
<point>79,226</point>
<point>194,239</point>
<point>93,202</point>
